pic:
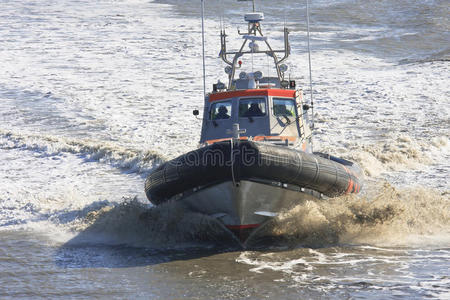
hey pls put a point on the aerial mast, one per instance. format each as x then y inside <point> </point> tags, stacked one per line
<point>203,48</point>
<point>309,63</point>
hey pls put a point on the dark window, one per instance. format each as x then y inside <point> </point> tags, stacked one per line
<point>220,110</point>
<point>252,107</point>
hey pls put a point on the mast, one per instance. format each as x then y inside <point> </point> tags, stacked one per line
<point>203,48</point>
<point>251,37</point>
<point>309,62</point>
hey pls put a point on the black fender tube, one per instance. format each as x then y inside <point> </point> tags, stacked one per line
<point>246,160</point>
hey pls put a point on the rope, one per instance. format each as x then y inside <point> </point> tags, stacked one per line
<point>232,162</point>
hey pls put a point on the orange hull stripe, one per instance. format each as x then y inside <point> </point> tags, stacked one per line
<point>304,146</point>
<point>281,138</point>
<point>234,227</point>
<point>350,186</point>
<point>259,92</point>
<point>256,138</point>
<point>210,142</point>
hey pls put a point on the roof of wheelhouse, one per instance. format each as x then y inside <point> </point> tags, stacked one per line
<point>251,92</point>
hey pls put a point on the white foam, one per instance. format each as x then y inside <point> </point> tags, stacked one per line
<point>286,267</point>
<point>97,91</point>
<point>91,150</point>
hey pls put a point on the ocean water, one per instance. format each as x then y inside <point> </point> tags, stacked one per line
<point>95,94</point>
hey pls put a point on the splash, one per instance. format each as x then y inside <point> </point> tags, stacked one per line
<point>106,152</point>
<point>395,154</point>
<point>135,224</point>
<point>384,216</point>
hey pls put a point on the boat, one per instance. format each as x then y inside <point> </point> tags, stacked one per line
<point>255,158</point>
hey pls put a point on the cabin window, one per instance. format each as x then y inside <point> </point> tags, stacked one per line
<point>283,107</point>
<point>252,107</point>
<point>220,110</point>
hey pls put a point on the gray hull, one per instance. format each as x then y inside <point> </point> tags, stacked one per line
<point>244,207</point>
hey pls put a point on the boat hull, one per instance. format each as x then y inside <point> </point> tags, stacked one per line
<point>245,183</point>
<point>245,206</point>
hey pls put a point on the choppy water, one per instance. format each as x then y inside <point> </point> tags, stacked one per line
<point>94,94</point>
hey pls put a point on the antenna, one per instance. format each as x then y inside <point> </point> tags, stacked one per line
<point>309,59</point>
<point>203,48</point>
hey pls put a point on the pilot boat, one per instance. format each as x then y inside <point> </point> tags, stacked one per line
<point>255,158</point>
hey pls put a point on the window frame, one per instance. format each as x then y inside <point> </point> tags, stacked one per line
<point>283,98</point>
<point>216,103</point>
<point>253,97</point>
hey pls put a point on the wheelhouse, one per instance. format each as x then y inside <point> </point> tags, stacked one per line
<point>265,114</point>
